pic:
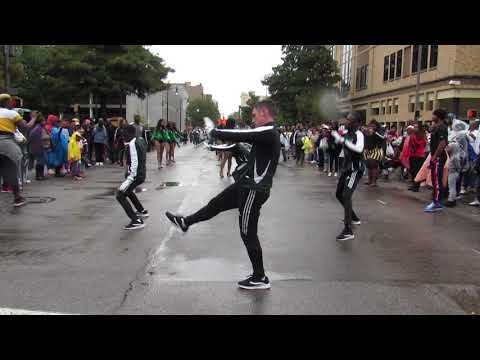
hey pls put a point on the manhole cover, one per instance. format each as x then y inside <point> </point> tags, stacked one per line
<point>39,199</point>
<point>168,184</point>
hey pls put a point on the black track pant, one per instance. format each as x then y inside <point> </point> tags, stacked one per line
<point>130,193</point>
<point>249,203</point>
<point>99,152</point>
<point>347,183</point>
<point>415,166</point>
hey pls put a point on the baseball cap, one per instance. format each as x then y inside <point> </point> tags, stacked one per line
<point>5,97</point>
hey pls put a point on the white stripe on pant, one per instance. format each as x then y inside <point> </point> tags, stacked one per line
<point>246,211</point>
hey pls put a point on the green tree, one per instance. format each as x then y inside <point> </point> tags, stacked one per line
<point>58,76</point>
<point>16,69</point>
<point>246,111</point>
<point>299,85</point>
<point>198,109</point>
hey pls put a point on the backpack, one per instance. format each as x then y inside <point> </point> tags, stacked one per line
<point>472,156</point>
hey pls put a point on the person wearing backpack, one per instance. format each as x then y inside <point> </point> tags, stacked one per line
<point>284,144</point>
<point>99,139</point>
<point>298,139</point>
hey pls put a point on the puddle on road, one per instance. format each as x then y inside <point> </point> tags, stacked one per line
<point>168,184</point>
<point>39,199</point>
<point>179,268</point>
<point>109,193</point>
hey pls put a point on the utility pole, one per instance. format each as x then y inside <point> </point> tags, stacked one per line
<point>90,104</point>
<point>148,114</point>
<point>181,114</point>
<point>168,90</point>
<point>417,90</point>
<point>6,51</point>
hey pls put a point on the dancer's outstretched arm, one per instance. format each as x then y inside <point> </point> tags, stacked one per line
<point>260,134</point>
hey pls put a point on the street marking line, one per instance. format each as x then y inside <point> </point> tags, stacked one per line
<point>10,311</point>
<point>382,202</point>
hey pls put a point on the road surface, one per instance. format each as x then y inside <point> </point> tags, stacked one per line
<point>67,252</point>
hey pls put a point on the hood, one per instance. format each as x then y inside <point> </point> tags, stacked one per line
<point>459,125</point>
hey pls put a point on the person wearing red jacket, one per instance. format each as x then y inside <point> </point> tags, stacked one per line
<point>417,143</point>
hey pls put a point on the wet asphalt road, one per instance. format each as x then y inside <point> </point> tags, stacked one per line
<point>72,255</point>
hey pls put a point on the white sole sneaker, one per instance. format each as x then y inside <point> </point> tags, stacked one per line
<point>353,222</point>
<point>256,287</point>
<point>349,237</point>
<point>137,227</point>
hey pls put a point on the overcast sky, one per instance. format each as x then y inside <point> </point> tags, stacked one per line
<point>225,71</point>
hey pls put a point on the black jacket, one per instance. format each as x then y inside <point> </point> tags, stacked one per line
<point>353,149</point>
<point>136,160</point>
<point>263,159</point>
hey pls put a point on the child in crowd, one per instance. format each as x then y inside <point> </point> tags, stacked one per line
<point>74,152</point>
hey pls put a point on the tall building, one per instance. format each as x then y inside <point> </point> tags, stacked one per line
<point>194,92</point>
<point>379,81</point>
<point>168,104</point>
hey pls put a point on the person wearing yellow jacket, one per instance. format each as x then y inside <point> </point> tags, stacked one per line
<point>74,151</point>
<point>307,145</point>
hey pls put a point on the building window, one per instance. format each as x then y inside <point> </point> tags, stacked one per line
<point>407,57</point>
<point>346,68</point>
<point>399,64</point>
<point>424,60</point>
<point>395,106</point>
<point>362,77</point>
<point>411,107</point>
<point>375,111</point>
<point>385,68</point>
<point>392,66</point>
<point>433,55</point>
<point>414,59</point>
<point>389,106</point>
<point>430,105</point>
<point>382,108</point>
<point>430,99</point>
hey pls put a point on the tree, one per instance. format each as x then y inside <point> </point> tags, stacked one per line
<point>246,111</point>
<point>200,108</point>
<point>15,69</point>
<point>299,85</point>
<point>58,76</point>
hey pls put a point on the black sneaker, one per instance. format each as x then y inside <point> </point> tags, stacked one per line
<point>354,222</point>
<point>449,203</point>
<point>252,283</point>
<point>346,235</point>
<point>143,214</point>
<point>19,202</point>
<point>178,221</point>
<point>135,225</point>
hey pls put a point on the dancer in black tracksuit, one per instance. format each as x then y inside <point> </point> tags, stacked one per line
<point>136,151</point>
<point>250,190</point>
<point>352,171</point>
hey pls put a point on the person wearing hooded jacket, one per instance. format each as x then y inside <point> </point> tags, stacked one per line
<point>136,153</point>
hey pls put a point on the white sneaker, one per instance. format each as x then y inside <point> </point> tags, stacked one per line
<point>476,202</point>
<point>335,174</point>
<point>329,174</point>
<point>462,191</point>
<point>458,197</point>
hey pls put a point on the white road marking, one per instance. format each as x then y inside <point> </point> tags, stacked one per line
<point>382,202</point>
<point>10,311</point>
